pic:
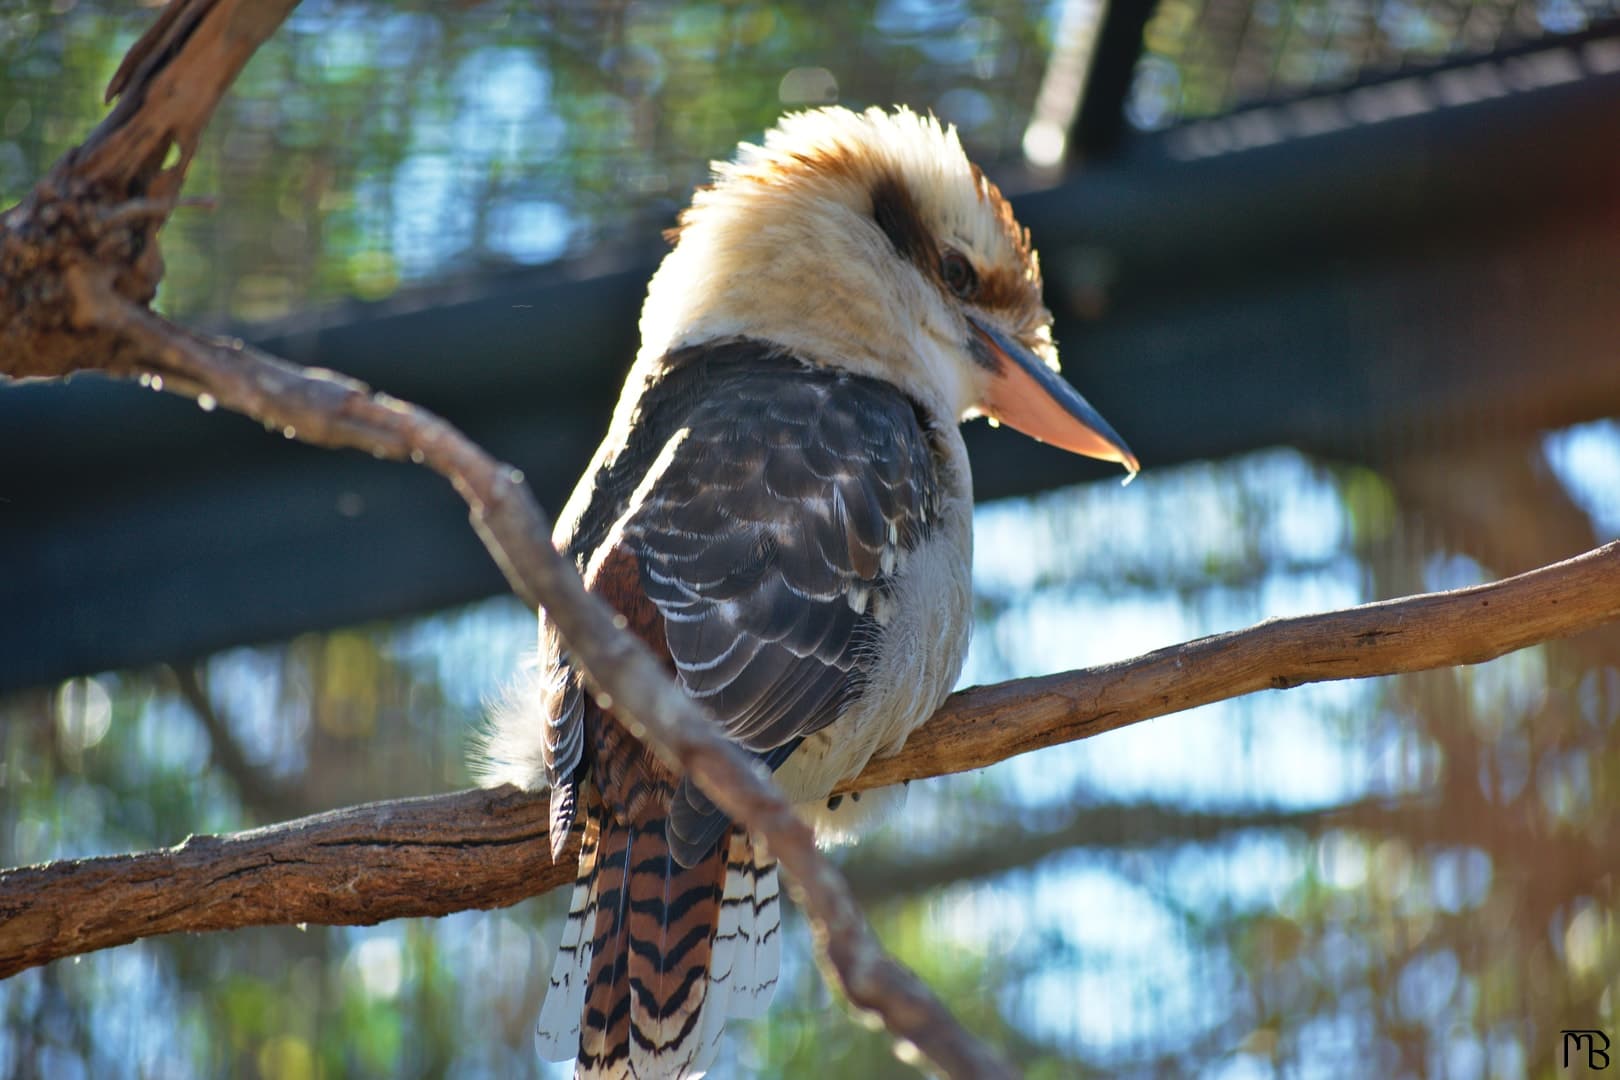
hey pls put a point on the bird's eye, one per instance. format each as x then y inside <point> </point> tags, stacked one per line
<point>959,275</point>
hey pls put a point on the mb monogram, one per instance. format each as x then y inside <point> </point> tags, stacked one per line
<point>1590,1041</point>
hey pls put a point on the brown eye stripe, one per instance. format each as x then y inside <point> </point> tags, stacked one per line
<point>895,211</point>
<point>896,214</point>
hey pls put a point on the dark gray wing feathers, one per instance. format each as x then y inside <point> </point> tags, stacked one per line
<point>769,541</point>
<point>781,506</point>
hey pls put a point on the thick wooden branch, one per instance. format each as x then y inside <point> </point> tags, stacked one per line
<point>362,865</point>
<point>434,855</point>
<point>100,207</point>
<point>1390,637</point>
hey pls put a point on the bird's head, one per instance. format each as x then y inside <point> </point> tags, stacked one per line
<point>868,241</point>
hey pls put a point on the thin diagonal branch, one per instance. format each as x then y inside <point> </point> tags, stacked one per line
<point>260,793</point>
<point>326,409</point>
<point>430,856</point>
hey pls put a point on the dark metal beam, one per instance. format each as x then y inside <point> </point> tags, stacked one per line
<point>1439,277</point>
<point>1099,126</point>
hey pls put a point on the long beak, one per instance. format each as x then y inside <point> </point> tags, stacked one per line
<point>1027,395</point>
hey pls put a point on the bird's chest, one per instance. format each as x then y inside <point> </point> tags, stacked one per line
<point>917,657</point>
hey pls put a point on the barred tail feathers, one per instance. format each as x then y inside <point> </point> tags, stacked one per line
<point>630,993</point>
<point>556,1036</point>
<point>748,944</point>
<point>655,956</point>
<point>654,926</point>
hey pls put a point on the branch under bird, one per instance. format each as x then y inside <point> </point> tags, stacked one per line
<point>782,509</point>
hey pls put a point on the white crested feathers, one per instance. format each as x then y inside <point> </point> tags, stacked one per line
<point>783,247</point>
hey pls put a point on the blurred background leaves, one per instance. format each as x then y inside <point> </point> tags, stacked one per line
<point>1413,877</point>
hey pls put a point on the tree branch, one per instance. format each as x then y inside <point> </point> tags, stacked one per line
<point>103,202</point>
<point>1389,637</point>
<point>430,856</point>
<point>78,264</point>
<point>361,865</point>
<point>261,795</point>
<point>1002,846</point>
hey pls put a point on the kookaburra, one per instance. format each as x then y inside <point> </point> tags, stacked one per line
<point>782,509</point>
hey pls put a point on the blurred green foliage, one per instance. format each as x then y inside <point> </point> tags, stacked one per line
<point>373,145</point>
<point>1203,58</point>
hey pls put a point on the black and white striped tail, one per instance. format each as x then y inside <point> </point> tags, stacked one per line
<point>654,956</point>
